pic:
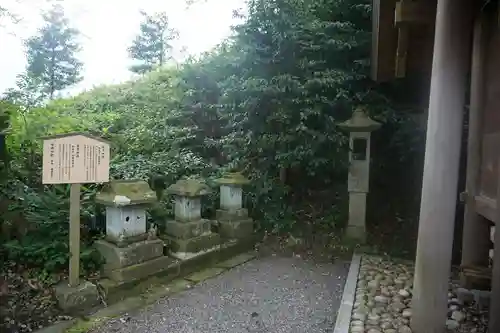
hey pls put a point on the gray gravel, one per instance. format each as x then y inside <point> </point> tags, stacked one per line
<point>288,294</point>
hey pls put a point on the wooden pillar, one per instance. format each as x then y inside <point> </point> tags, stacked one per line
<point>74,235</point>
<point>476,229</point>
<point>494,322</point>
<point>442,155</point>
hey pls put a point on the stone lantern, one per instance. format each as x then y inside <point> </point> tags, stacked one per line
<point>360,127</point>
<point>126,202</point>
<point>131,252</point>
<point>233,219</point>
<point>189,234</point>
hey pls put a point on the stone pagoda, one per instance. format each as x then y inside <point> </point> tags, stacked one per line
<point>189,234</point>
<point>131,252</point>
<point>232,218</point>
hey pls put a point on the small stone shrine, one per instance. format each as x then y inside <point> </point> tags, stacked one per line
<point>189,234</point>
<point>233,219</point>
<point>130,251</point>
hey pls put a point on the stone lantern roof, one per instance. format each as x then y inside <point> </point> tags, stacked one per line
<point>233,178</point>
<point>360,122</point>
<point>189,188</point>
<point>126,193</point>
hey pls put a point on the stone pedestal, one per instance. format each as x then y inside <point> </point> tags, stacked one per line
<point>233,219</point>
<point>130,252</point>
<point>356,229</point>
<point>234,225</point>
<point>189,234</point>
<point>79,299</point>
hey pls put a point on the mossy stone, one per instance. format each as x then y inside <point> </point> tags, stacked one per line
<point>189,188</point>
<point>196,244</point>
<point>129,192</point>
<point>233,178</point>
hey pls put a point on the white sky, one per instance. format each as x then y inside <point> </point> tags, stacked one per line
<point>108,27</point>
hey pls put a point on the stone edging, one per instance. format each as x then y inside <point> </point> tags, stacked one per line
<point>345,310</point>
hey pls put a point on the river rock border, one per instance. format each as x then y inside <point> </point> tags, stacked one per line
<point>378,294</point>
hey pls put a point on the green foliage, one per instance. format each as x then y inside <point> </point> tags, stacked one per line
<point>28,93</point>
<point>6,111</point>
<point>47,216</point>
<point>266,102</point>
<point>51,53</point>
<point>152,46</point>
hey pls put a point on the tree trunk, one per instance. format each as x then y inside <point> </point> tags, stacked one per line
<point>52,75</point>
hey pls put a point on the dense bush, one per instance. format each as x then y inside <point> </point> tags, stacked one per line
<point>266,101</point>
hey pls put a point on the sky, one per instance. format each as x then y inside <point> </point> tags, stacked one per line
<point>107,28</point>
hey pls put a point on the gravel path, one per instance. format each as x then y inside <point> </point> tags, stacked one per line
<point>284,294</point>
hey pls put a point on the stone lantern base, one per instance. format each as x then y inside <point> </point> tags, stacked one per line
<point>191,246</point>
<point>78,299</point>
<point>234,224</point>
<point>356,227</point>
<point>185,230</point>
<point>134,261</point>
<point>356,233</point>
<point>190,237</point>
<point>186,239</point>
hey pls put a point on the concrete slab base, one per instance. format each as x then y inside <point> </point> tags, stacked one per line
<point>204,274</point>
<point>171,268</point>
<point>77,299</point>
<point>236,261</point>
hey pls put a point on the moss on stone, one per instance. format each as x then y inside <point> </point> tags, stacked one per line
<point>136,191</point>
<point>195,244</point>
<point>83,326</point>
<point>233,178</point>
<point>189,188</point>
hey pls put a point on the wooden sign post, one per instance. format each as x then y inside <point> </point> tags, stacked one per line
<point>75,158</point>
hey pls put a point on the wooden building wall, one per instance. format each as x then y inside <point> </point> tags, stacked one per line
<point>486,201</point>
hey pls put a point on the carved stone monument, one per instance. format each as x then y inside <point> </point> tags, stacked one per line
<point>360,127</point>
<point>131,252</point>
<point>233,219</point>
<point>189,234</point>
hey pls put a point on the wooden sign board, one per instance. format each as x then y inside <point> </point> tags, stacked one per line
<point>75,158</point>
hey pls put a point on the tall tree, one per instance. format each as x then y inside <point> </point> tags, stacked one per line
<point>52,52</point>
<point>152,47</point>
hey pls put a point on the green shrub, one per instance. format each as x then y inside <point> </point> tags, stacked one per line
<point>45,243</point>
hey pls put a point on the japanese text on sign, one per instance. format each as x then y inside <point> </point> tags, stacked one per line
<point>75,159</point>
